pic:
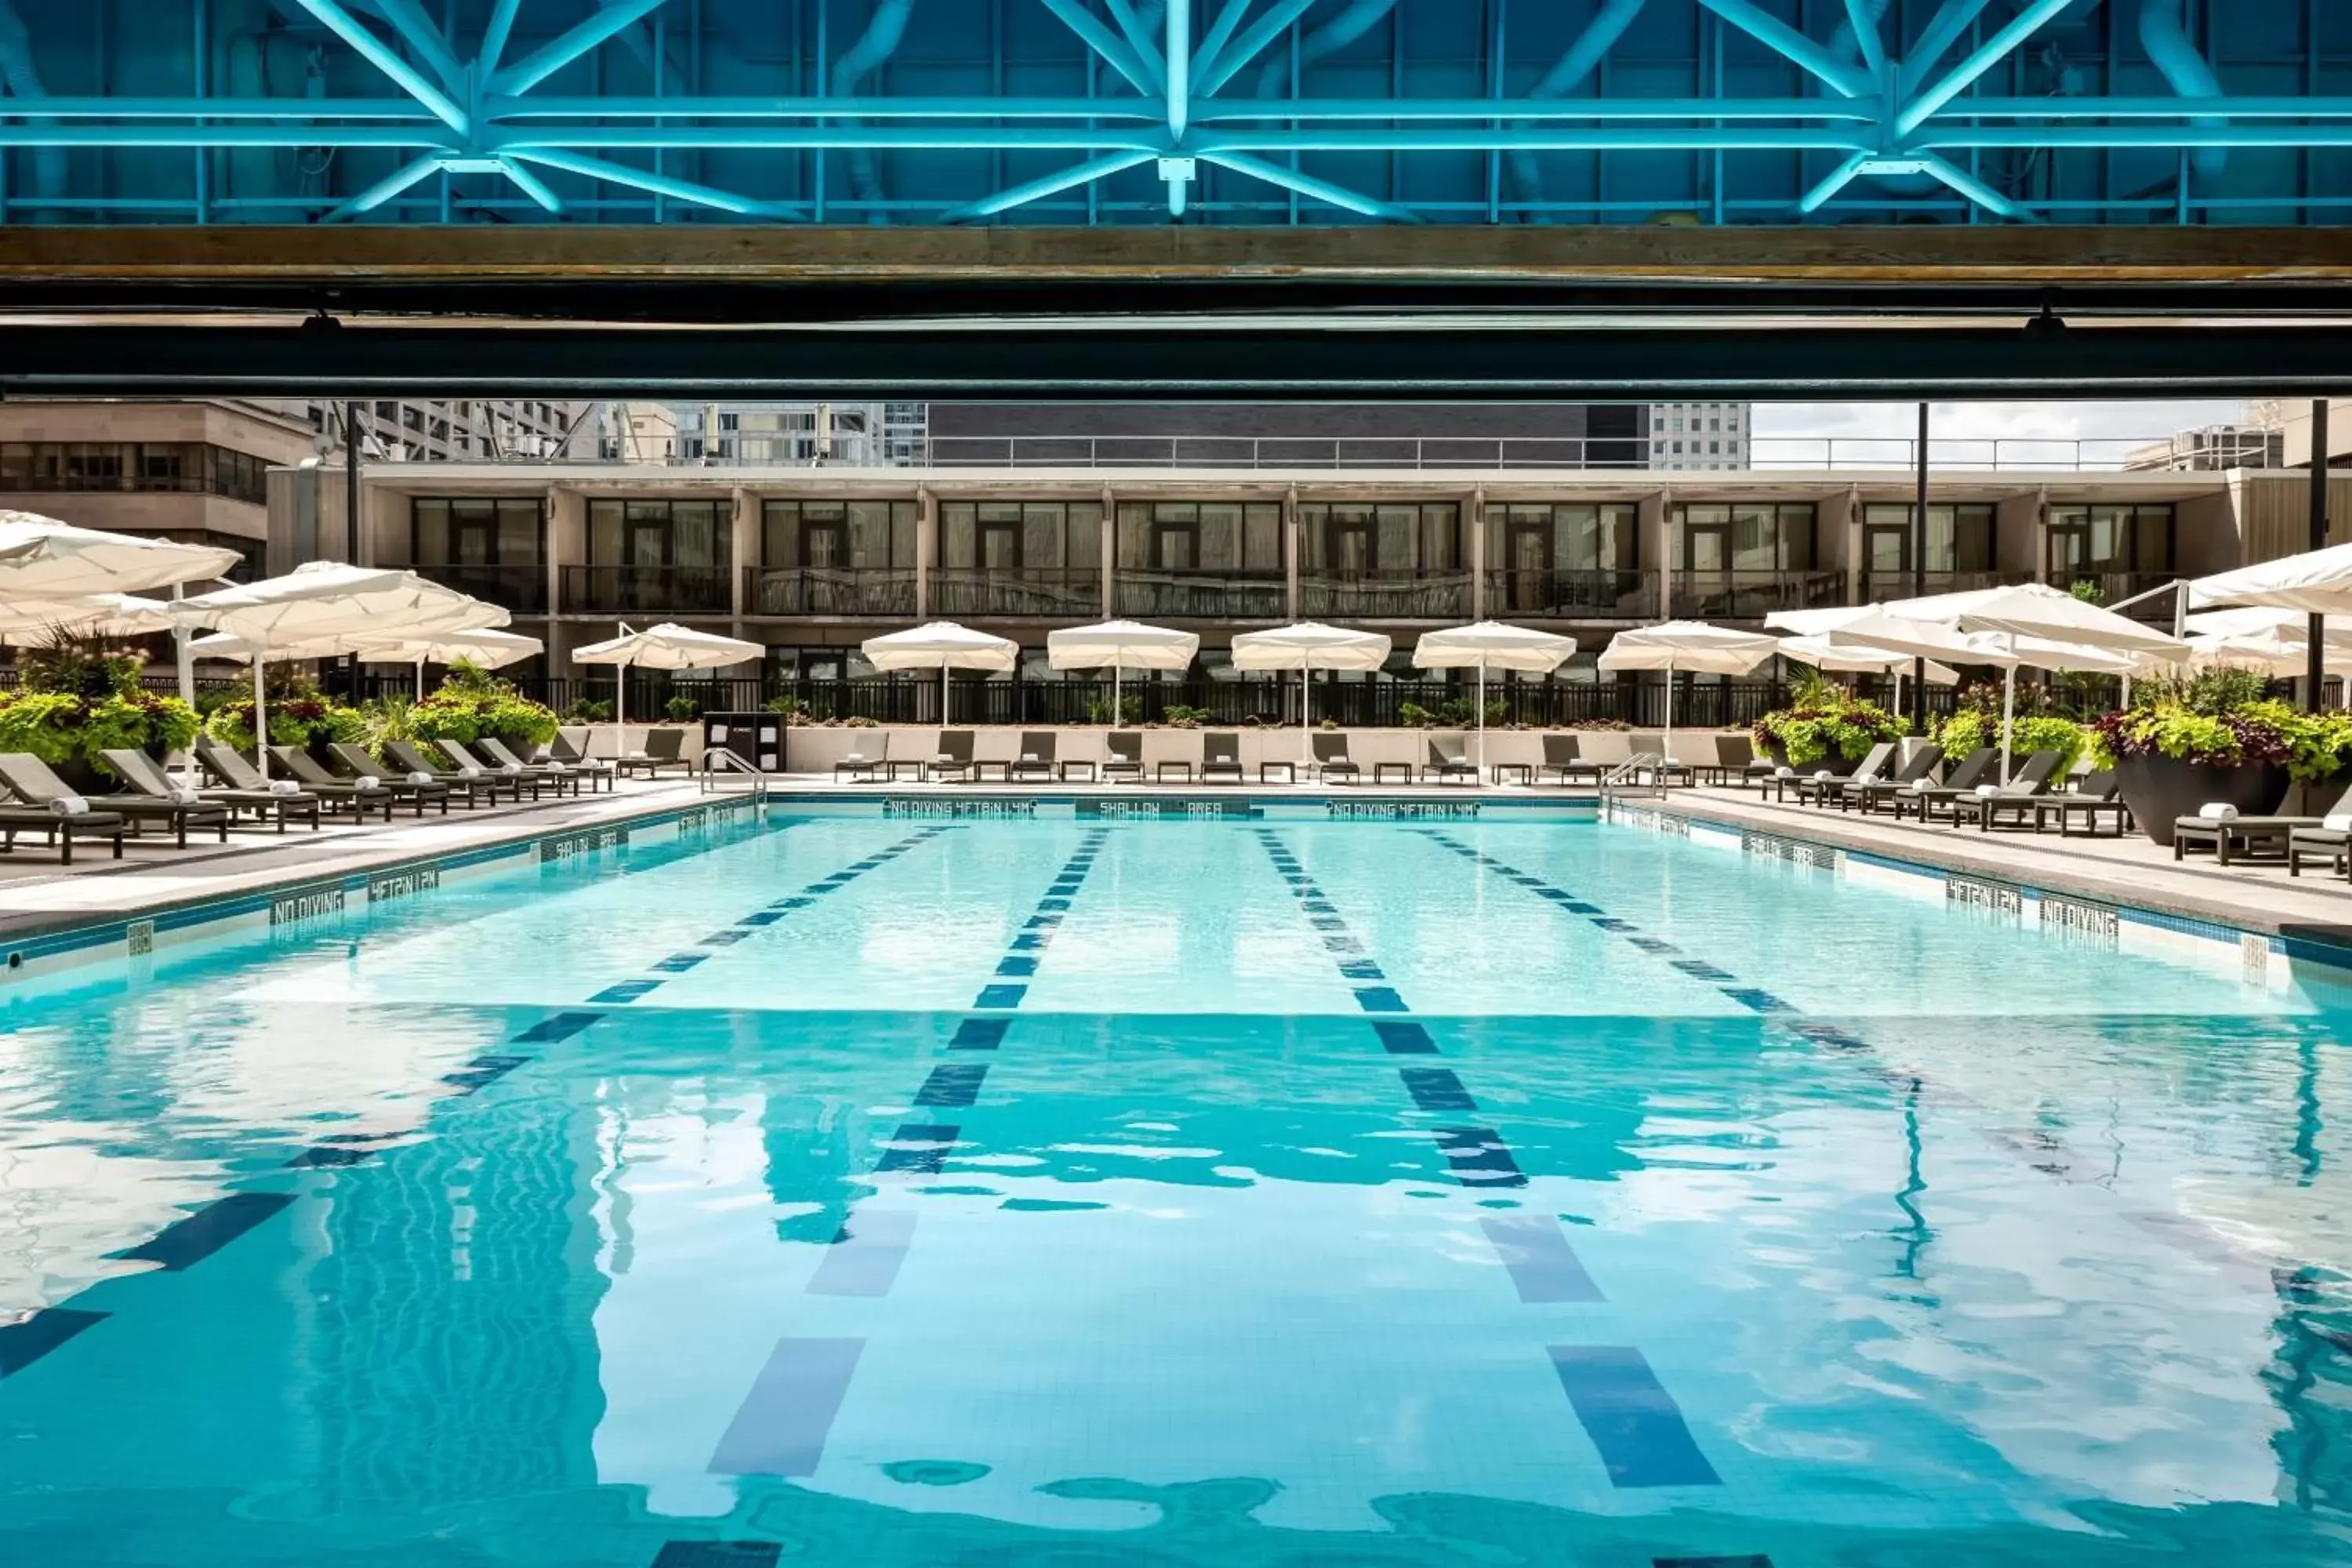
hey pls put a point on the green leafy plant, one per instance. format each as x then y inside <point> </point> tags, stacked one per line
<point>298,716</point>
<point>682,709</point>
<point>1177,716</point>
<point>585,712</point>
<point>44,724</point>
<point>1130,711</point>
<point>1413,716</point>
<point>1837,724</point>
<point>81,696</point>
<point>795,710</point>
<point>471,704</point>
<point>1969,728</point>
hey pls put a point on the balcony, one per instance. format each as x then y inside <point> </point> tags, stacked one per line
<point>1061,592</point>
<point>1876,587</point>
<point>829,591</point>
<point>1402,596</point>
<point>1752,595</point>
<point>1599,596</point>
<point>1201,596</point>
<point>522,589</point>
<point>2116,587</point>
<point>646,590</point>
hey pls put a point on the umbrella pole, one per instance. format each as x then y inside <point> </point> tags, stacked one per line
<point>2008,707</point>
<point>945,691</point>
<point>260,721</point>
<point>1305,712</point>
<point>1116,717</point>
<point>420,681</point>
<point>620,703</point>
<point>1482,716</point>
<point>1666,742</point>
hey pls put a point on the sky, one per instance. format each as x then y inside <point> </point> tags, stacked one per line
<point>1969,427</point>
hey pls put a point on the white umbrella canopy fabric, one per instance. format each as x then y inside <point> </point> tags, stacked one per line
<point>1492,645</point>
<point>942,646</point>
<point>1119,647</point>
<point>2259,621</point>
<point>29,622</point>
<point>666,647</point>
<point>1307,646</point>
<point>1823,654</point>
<point>1694,646</point>
<point>2038,610</point>
<point>1817,623</point>
<point>41,558</point>
<point>2317,583</point>
<point>2270,654</point>
<point>488,647</point>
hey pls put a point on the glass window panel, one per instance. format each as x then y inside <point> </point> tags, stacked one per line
<point>604,523</point>
<point>1397,550</point>
<point>1041,536</point>
<point>1796,530</point>
<point>1262,537</point>
<point>1441,537</point>
<point>868,526</point>
<point>780,534</point>
<point>1220,536</point>
<point>958,532</point>
<point>1082,537</point>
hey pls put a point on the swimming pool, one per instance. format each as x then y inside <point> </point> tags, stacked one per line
<point>901,1192</point>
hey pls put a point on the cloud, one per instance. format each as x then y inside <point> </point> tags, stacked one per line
<point>1964,432</point>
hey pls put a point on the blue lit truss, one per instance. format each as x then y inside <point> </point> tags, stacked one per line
<point>1911,116</point>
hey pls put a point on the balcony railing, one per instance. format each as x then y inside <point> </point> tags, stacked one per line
<point>1875,587</point>
<point>1751,595</point>
<point>1608,595</point>
<point>522,589</point>
<point>829,591</point>
<point>2115,587</point>
<point>1385,595</point>
<point>1201,596</point>
<point>646,590</point>
<point>1039,591</point>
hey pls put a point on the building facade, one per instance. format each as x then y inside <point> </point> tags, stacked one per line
<point>1701,437</point>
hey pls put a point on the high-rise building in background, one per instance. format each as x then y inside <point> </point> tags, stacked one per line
<point>2211,448</point>
<point>849,435</point>
<point>450,431</point>
<point>1700,435</point>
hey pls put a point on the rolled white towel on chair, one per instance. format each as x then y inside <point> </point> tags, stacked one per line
<point>420,777</point>
<point>2338,822</point>
<point>469,772</point>
<point>183,796</point>
<point>284,786</point>
<point>69,806</point>
<point>1784,772</point>
<point>2217,811</point>
<point>1823,775</point>
<point>1919,786</point>
<point>367,781</point>
<point>510,769</point>
<point>552,766</point>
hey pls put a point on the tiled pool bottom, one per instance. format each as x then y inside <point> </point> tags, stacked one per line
<point>877,1193</point>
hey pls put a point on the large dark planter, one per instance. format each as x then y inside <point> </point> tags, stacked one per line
<point>1833,764</point>
<point>81,776</point>
<point>2160,790</point>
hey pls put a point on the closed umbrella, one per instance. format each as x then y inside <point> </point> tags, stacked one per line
<point>327,600</point>
<point>1120,645</point>
<point>665,647</point>
<point>1694,646</point>
<point>1308,646</point>
<point>942,646</point>
<point>1491,645</point>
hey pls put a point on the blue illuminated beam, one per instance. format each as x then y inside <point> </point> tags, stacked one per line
<point>1987,55</point>
<point>1248,45</point>
<point>1113,49</point>
<point>659,185</point>
<point>1941,33</point>
<point>495,35</point>
<point>346,26</point>
<point>417,30</point>
<point>580,40</point>
<point>1792,46</point>
<point>1046,185</point>
<point>383,190</point>
<point>1310,186</point>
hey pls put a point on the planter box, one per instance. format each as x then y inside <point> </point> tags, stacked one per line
<point>2159,791</point>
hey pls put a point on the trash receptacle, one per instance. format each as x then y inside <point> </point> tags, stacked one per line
<point>757,738</point>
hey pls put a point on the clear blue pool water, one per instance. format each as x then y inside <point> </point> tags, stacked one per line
<point>872,1192</point>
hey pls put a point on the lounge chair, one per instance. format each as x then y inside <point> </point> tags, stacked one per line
<point>1653,743</point>
<point>1564,760</point>
<point>1736,754</point>
<point>2017,798</point>
<point>1919,766</point>
<point>245,785</point>
<point>35,786</point>
<point>1189,740</point>
<point>407,781</point>
<point>1962,780</point>
<point>663,749</point>
<point>2094,794</point>
<point>2333,845</point>
<point>573,754</point>
<point>59,824</point>
<point>1332,764</point>
<point>335,794</point>
<point>362,790</point>
<point>500,755</point>
<point>1221,756</point>
<point>860,766</point>
<point>954,755</point>
<point>1449,758</point>
<point>2254,837</point>
<point>414,760</point>
<point>517,780</point>
<point>1822,787</point>
<point>1036,759</point>
<point>1126,755</point>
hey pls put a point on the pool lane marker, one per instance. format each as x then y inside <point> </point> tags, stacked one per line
<point>1632,1420</point>
<point>1029,944</point>
<point>780,1426</point>
<point>737,1554</point>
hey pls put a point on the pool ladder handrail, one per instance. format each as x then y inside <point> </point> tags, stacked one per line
<point>707,774</point>
<point>1642,772</point>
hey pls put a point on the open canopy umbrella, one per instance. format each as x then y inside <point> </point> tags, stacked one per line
<point>1308,646</point>
<point>1822,653</point>
<point>41,558</point>
<point>2260,621</point>
<point>2271,653</point>
<point>1118,647</point>
<point>942,646</point>
<point>1491,645</point>
<point>2317,583</point>
<point>29,623</point>
<point>487,647</point>
<point>665,647</point>
<point>1693,645</point>
<point>2038,610</point>
<point>326,601</point>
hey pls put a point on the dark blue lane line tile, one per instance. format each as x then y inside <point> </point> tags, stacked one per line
<point>1699,969</point>
<point>1000,996</point>
<point>794,902</point>
<point>680,962</point>
<point>1743,1560</point>
<point>953,1083</point>
<point>23,1343</point>
<point>186,1242</point>
<point>1342,944</point>
<point>917,1146</point>
<point>1405,1040</point>
<point>1017,965</point>
<point>1054,904</point>
<point>1544,1266</point>
<point>1379,999</point>
<point>1436,1088</point>
<point>627,991</point>
<point>1478,1157</point>
<point>1031,942</point>
<point>726,938</point>
<point>560,1027</point>
<point>1654,945</point>
<point>781,1427</point>
<point>980,1034</point>
<point>1831,1036</point>
<point>480,1072</point>
<point>1631,1418</point>
<point>331,1154</point>
<point>1041,922</point>
<point>1610,922</point>
<point>1327,922</point>
<point>1756,1000</point>
<point>865,1253</point>
<point>762,918</point>
<point>1360,968</point>
<point>718,1554</point>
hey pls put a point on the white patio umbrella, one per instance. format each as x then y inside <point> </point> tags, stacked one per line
<point>2276,656</point>
<point>1491,645</point>
<point>27,623</point>
<point>1308,646</point>
<point>489,648</point>
<point>1119,645</point>
<point>942,646</point>
<point>666,647</point>
<point>41,558</point>
<point>1823,654</point>
<point>1694,646</point>
<point>2257,621</point>
<point>324,600</point>
<point>2317,583</point>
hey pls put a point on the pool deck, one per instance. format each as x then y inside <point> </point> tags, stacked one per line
<point>2255,896</point>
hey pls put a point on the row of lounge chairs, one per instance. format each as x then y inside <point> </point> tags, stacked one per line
<point>1968,794</point>
<point>2294,839</point>
<point>412,773</point>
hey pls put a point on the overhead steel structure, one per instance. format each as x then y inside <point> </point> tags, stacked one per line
<point>850,163</point>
